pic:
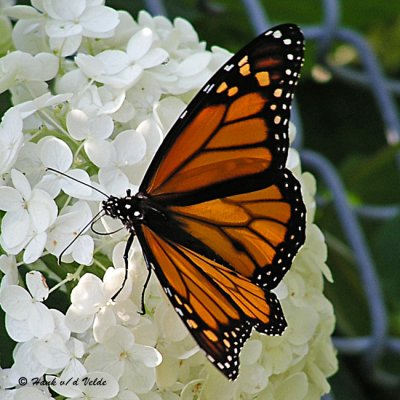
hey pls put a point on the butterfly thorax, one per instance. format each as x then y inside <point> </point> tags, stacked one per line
<point>130,210</point>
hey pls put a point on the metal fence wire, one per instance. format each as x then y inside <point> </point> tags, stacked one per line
<point>371,347</point>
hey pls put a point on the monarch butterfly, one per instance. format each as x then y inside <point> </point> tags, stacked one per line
<point>218,216</point>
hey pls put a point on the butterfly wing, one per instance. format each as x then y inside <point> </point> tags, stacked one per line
<point>221,169</point>
<point>237,124</point>
<point>232,217</point>
<point>218,305</point>
<point>256,232</point>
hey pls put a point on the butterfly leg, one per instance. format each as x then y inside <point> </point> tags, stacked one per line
<point>142,310</point>
<point>126,252</point>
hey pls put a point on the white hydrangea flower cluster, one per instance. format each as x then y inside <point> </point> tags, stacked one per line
<point>94,92</point>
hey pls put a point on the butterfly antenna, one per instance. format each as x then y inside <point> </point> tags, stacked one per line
<point>77,180</point>
<point>103,233</point>
<point>94,219</point>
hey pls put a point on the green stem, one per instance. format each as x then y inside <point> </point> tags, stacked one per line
<point>70,277</point>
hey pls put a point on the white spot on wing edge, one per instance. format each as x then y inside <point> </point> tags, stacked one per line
<point>208,87</point>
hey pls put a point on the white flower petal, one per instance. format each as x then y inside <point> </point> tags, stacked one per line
<point>98,20</point>
<point>29,36</point>
<point>18,330</point>
<point>48,66</point>
<point>153,58</point>
<point>167,373</point>
<point>42,210</point>
<point>99,391</point>
<point>64,9</point>
<point>16,302</point>
<point>40,321</point>
<point>104,360</point>
<point>76,321</point>
<point>73,219</point>
<point>138,378</point>
<point>73,370</point>
<point>294,387</point>
<point>27,108</point>
<point>10,199</point>
<point>187,83</point>
<point>78,124</point>
<point>8,265</point>
<point>124,113</point>
<point>194,64</point>
<point>61,326</point>
<point>89,65</point>
<point>253,379</point>
<point>103,322</point>
<point>152,134</point>
<point>34,249</point>
<point>76,347</point>
<point>281,290</point>
<point>55,153</point>
<point>43,67</point>
<point>113,61</point>
<point>21,12</point>
<point>69,389</point>
<point>101,127</point>
<point>126,394</point>
<point>124,30</point>
<point>148,355</point>
<point>173,330</point>
<point>14,228</point>
<point>251,352</point>
<point>62,29</point>
<point>21,184</point>
<point>52,352</point>
<point>139,44</point>
<point>111,99</point>
<point>123,80</point>
<point>114,180</point>
<point>76,188</point>
<point>118,339</point>
<point>25,364</point>
<point>113,279</point>
<point>167,111</point>
<point>83,250</point>
<point>99,151</point>
<point>37,286</point>
<point>88,295</point>
<point>130,146</point>
<point>186,30</point>
<point>50,183</point>
<point>11,139</point>
<point>73,81</point>
<point>31,393</point>
<point>304,321</point>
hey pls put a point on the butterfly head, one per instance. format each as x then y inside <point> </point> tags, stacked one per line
<point>127,209</point>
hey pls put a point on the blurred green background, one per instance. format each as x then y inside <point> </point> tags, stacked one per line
<point>342,122</point>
